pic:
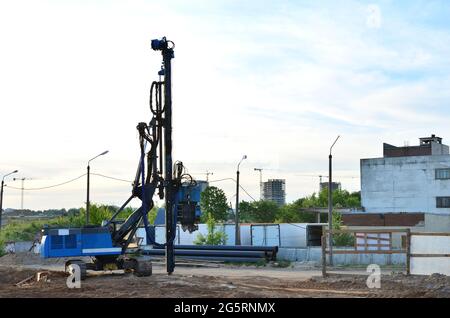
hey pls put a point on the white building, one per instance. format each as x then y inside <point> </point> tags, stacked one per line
<point>408,179</point>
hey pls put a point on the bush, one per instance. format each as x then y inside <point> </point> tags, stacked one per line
<point>213,237</point>
<point>343,239</point>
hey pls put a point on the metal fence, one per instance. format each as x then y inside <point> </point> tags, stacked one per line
<point>369,248</point>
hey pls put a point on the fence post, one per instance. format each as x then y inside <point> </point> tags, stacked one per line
<point>324,256</point>
<point>408,252</point>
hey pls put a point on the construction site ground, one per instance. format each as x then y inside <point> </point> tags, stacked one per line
<point>18,279</point>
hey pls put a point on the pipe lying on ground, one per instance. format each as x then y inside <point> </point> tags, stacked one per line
<point>219,259</point>
<point>241,253</point>
<point>225,247</point>
<point>248,254</point>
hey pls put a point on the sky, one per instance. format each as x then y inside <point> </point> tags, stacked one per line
<point>276,80</point>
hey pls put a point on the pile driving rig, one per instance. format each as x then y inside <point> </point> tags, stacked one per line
<point>107,244</point>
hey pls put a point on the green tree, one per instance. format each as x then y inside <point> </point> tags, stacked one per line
<point>214,201</point>
<point>213,237</point>
<point>311,201</point>
<point>258,211</point>
<point>292,213</point>
<point>341,199</point>
<point>245,212</point>
<point>97,214</point>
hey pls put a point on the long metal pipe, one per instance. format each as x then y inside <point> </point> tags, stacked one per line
<point>220,259</point>
<point>223,253</point>
<point>225,247</point>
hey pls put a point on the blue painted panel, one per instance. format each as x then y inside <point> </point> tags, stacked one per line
<point>74,244</point>
<point>94,240</point>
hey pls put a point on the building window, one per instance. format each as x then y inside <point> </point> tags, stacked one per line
<point>443,202</point>
<point>442,173</point>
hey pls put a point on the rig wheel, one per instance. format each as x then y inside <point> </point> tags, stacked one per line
<point>83,268</point>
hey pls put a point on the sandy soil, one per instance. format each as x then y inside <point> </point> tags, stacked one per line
<point>224,281</point>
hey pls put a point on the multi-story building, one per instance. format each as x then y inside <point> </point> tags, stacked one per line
<point>408,179</point>
<point>275,190</point>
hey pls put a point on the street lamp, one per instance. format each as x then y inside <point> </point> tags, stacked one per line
<point>330,203</point>
<point>1,195</point>
<point>236,214</point>
<point>88,177</point>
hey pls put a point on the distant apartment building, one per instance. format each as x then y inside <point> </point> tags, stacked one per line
<point>275,190</point>
<point>408,179</point>
<point>334,186</point>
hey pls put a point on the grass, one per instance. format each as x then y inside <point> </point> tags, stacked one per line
<point>259,263</point>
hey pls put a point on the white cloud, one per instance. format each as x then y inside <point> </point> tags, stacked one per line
<point>278,87</point>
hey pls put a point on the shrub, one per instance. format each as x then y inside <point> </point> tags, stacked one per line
<point>342,239</point>
<point>213,237</point>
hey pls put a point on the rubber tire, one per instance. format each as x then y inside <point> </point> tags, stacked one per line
<point>82,266</point>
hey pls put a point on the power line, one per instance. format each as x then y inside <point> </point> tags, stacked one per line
<point>66,182</point>
<point>325,176</point>
<point>48,187</point>
<point>218,180</point>
<point>235,182</point>
<point>112,178</point>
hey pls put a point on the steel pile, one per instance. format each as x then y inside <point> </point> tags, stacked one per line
<point>225,253</point>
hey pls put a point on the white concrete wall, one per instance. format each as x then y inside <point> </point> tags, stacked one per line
<point>186,238</point>
<point>314,255</point>
<point>289,234</point>
<point>437,223</point>
<point>430,245</point>
<point>403,184</point>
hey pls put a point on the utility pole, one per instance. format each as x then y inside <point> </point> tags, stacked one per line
<point>330,203</point>
<point>22,189</point>
<point>207,175</point>
<point>88,184</point>
<point>261,189</point>
<point>1,195</point>
<point>236,214</point>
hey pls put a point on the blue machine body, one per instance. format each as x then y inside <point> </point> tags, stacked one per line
<point>192,194</point>
<point>97,241</point>
<point>87,241</point>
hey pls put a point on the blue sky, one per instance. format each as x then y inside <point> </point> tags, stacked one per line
<point>276,80</point>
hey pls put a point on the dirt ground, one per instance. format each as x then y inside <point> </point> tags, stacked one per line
<point>213,281</point>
